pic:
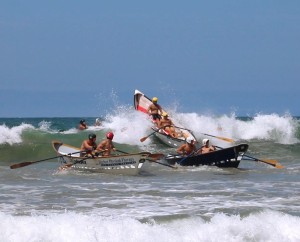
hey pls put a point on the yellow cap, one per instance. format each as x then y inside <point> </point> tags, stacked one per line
<point>155,99</point>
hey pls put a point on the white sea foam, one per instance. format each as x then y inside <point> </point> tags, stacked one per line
<point>273,127</point>
<point>45,125</point>
<point>130,125</point>
<point>263,226</point>
<point>13,135</point>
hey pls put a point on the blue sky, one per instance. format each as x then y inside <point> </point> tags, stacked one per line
<point>66,58</point>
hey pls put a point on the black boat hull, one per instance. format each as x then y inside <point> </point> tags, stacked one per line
<point>227,157</point>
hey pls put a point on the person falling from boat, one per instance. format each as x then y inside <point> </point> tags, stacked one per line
<point>206,148</point>
<point>88,146</point>
<point>188,148</point>
<point>82,125</point>
<point>155,110</point>
<point>106,146</point>
<point>167,125</point>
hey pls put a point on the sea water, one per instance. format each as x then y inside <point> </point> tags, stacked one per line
<point>255,202</point>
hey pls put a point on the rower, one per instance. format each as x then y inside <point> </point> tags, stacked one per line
<point>206,148</point>
<point>167,125</point>
<point>88,145</point>
<point>155,110</point>
<point>188,148</point>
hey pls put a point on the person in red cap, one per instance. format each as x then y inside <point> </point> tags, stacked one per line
<point>106,146</point>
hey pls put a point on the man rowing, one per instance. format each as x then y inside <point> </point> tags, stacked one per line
<point>88,145</point>
<point>168,126</point>
<point>188,148</point>
<point>206,148</point>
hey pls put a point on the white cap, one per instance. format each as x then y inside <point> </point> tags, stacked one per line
<point>189,139</point>
<point>205,141</point>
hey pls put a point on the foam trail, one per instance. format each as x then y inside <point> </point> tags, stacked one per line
<point>264,226</point>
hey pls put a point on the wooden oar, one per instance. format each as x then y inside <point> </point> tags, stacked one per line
<point>155,156</point>
<point>122,151</point>
<point>274,163</point>
<point>146,137</point>
<point>218,137</point>
<point>71,164</point>
<point>27,163</point>
<point>163,164</point>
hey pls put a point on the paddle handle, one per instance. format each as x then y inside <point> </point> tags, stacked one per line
<point>163,164</point>
<point>146,137</point>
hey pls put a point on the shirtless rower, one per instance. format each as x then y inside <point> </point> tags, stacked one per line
<point>167,124</point>
<point>155,110</point>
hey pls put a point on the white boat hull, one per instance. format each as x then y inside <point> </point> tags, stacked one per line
<point>127,164</point>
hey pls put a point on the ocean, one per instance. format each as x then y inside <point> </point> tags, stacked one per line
<point>255,202</point>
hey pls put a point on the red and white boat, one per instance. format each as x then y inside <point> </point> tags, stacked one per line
<point>141,103</point>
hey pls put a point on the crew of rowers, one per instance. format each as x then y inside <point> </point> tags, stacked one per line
<point>162,121</point>
<point>189,148</point>
<point>104,148</point>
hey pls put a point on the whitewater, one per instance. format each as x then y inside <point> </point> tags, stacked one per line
<point>255,202</point>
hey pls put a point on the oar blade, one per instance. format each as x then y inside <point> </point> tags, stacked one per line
<point>274,163</point>
<point>143,139</point>
<point>279,166</point>
<point>19,165</point>
<point>63,167</point>
<point>146,137</point>
<point>156,156</point>
<point>226,139</point>
<point>222,138</point>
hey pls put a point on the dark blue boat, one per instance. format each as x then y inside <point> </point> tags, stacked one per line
<point>227,157</point>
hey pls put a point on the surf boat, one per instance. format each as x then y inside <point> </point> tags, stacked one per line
<point>126,164</point>
<point>141,104</point>
<point>225,157</point>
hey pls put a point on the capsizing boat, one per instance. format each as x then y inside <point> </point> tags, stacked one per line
<point>141,104</point>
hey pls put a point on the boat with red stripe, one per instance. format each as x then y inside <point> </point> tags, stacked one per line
<point>141,104</point>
